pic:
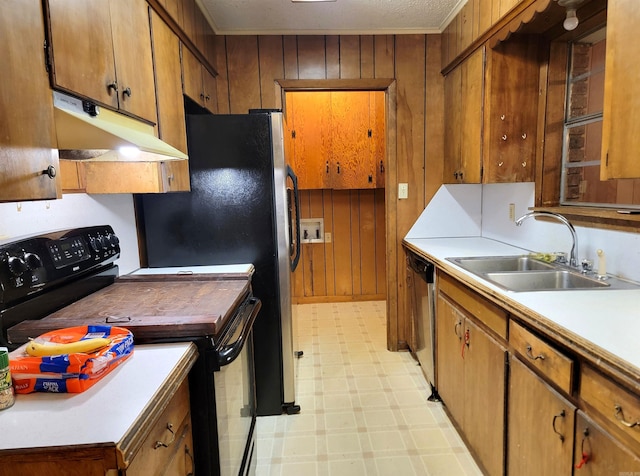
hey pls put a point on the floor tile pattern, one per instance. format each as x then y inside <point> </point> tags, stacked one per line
<point>364,409</point>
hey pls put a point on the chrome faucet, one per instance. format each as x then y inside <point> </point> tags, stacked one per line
<point>573,260</point>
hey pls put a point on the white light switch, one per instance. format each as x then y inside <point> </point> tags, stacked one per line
<point>403,191</point>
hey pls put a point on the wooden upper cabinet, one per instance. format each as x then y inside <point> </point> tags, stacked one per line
<point>621,115</point>
<point>308,126</point>
<point>511,111</point>
<point>198,83</point>
<point>464,89</point>
<point>102,51</point>
<point>337,138</point>
<point>168,80</point>
<point>351,136</point>
<point>27,134</point>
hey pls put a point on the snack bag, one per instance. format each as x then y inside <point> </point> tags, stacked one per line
<point>69,360</point>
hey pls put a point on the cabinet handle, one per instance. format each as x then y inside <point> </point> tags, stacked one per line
<point>126,92</point>
<point>327,166</point>
<point>193,464</point>
<point>160,444</point>
<point>524,136</point>
<point>585,456</point>
<point>113,85</point>
<point>381,167</point>
<point>455,174</point>
<point>553,424</point>
<point>504,137</point>
<point>460,175</point>
<point>207,97</point>
<point>620,417</point>
<point>338,167</point>
<point>524,164</point>
<point>533,357</point>
<point>50,172</point>
<point>500,164</point>
<point>455,329</point>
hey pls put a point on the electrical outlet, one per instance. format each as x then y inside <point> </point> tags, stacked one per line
<point>327,237</point>
<point>512,212</point>
<point>403,191</point>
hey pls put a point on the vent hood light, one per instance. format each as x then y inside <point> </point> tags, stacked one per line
<point>79,130</point>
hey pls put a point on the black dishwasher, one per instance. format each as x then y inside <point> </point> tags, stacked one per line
<point>421,281</point>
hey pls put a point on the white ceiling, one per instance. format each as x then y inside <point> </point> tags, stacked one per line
<point>364,17</point>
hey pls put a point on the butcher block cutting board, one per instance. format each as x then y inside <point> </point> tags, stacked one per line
<point>150,309</point>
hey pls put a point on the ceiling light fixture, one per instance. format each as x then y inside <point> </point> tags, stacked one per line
<point>571,21</point>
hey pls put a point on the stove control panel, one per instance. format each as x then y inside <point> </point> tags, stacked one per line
<point>31,264</point>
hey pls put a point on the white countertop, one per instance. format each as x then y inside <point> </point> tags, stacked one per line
<point>610,319</point>
<point>210,269</point>
<point>101,414</point>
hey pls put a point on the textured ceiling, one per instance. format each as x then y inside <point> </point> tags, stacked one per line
<point>283,17</point>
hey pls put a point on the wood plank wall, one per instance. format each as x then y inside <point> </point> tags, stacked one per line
<point>249,65</point>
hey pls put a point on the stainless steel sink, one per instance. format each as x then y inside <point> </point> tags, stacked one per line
<point>491,264</point>
<point>523,273</point>
<point>549,280</point>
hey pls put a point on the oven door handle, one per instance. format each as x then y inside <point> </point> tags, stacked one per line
<point>228,353</point>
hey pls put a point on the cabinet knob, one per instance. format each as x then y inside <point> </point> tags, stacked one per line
<point>126,92</point>
<point>338,164</point>
<point>327,166</point>
<point>504,137</point>
<point>50,172</point>
<point>112,86</point>
<point>207,97</point>
<point>381,167</point>
<point>524,136</point>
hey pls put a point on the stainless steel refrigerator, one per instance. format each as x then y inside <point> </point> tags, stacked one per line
<point>242,208</point>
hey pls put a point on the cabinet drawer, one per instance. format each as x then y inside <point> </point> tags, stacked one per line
<point>162,444</point>
<point>619,407</point>
<point>483,310</point>
<point>556,366</point>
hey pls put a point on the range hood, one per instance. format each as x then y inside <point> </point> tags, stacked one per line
<point>83,126</point>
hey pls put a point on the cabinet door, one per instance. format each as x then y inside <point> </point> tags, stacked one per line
<point>472,85</point>
<point>27,137</point>
<point>449,357</point>
<point>192,76</point>
<point>166,56</point>
<point>83,60</point>
<point>540,426</point>
<point>452,118</point>
<point>310,115</point>
<point>511,111</point>
<point>378,142</point>
<point>484,381</point>
<point>352,165</point>
<point>621,116</point>
<point>598,453</point>
<point>210,95</point>
<point>132,51</point>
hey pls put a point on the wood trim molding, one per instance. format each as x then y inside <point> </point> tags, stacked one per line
<point>604,218</point>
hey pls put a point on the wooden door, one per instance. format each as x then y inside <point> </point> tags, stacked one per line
<point>471,97</point>
<point>83,60</point>
<point>352,162</point>
<point>309,115</point>
<point>621,116</point>
<point>166,56</point>
<point>484,381</point>
<point>449,357</point>
<point>540,426</point>
<point>452,126</point>
<point>27,140</point>
<point>132,52</point>
<point>598,453</point>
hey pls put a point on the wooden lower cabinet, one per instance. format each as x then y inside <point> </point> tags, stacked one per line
<point>160,446</point>
<point>598,453</point>
<point>540,426</point>
<point>471,380</point>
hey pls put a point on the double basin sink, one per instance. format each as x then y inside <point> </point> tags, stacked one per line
<point>527,273</point>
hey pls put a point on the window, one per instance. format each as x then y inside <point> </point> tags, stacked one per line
<point>582,136</point>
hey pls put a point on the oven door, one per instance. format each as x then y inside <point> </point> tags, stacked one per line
<point>236,398</point>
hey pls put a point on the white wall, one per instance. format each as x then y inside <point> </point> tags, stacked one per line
<point>483,210</point>
<point>19,219</point>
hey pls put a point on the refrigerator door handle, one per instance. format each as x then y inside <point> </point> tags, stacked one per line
<point>295,252</point>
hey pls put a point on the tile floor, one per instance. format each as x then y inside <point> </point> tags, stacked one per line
<point>364,409</point>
